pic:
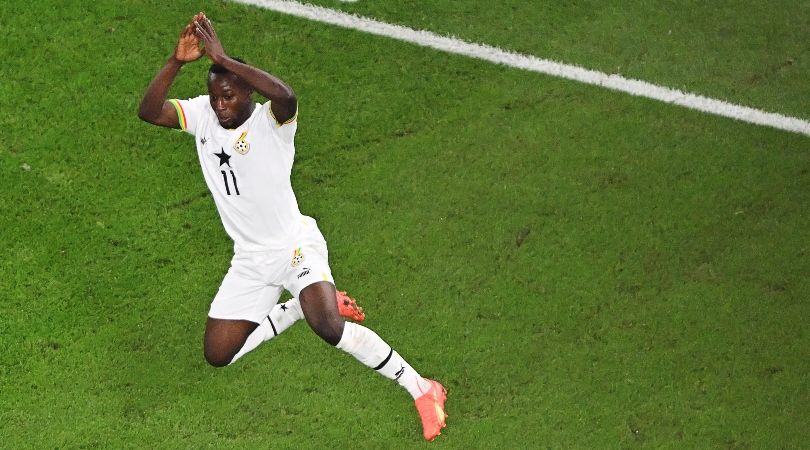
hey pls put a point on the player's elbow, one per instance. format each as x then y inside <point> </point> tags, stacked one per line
<point>149,111</point>
<point>144,115</point>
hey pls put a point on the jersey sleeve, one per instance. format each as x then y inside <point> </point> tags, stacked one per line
<point>189,112</point>
<point>287,129</point>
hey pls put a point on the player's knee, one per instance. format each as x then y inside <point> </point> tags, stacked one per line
<point>330,330</point>
<point>217,358</point>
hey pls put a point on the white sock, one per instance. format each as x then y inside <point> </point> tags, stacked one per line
<point>281,317</point>
<point>371,350</point>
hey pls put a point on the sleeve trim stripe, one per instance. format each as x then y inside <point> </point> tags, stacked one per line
<point>292,119</point>
<point>279,124</point>
<point>181,115</point>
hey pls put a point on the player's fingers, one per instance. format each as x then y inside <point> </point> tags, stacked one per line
<point>209,26</point>
<point>209,30</point>
<point>203,23</point>
<point>193,19</point>
<point>203,35</point>
<point>191,33</point>
<point>198,30</point>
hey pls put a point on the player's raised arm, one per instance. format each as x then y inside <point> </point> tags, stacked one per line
<point>282,98</point>
<point>154,108</point>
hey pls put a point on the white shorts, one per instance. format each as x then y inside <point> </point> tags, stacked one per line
<point>256,280</point>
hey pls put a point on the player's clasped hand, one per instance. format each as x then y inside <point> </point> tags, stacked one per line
<point>188,45</point>
<point>204,30</point>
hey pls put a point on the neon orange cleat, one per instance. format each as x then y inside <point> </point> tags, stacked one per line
<point>348,308</point>
<point>431,410</point>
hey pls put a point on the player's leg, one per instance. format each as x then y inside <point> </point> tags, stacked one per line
<point>283,315</point>
<point>228,340</point>
<point>309,277</point>
<point>244,312</point>
<point>320,310</point>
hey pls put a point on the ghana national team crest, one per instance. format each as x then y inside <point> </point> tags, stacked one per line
<point>242,146</point>
<point>297,258</point>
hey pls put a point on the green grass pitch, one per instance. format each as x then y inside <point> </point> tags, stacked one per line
<point>581,268</point>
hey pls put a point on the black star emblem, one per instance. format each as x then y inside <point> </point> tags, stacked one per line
<point>224,158</point>
<point>203,141</point>
<point>283,307</point>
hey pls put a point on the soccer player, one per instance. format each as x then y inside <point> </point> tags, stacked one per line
<point>246,153</point>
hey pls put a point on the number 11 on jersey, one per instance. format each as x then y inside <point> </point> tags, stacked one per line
<point>227,185</point>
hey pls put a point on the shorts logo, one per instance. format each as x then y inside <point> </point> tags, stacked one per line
<point>297,258</point>
<point>242,146</point>
<point>304,272</point>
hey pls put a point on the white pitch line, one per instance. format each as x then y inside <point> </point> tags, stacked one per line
<point>535,64</point>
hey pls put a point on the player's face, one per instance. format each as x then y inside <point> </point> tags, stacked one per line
<point>230,99</point>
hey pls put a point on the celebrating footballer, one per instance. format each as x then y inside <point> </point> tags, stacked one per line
<point>246,152</point>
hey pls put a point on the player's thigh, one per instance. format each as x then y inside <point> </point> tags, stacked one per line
<point>235,313</point>
<point>241,303</point>
<point>242,296</point>
<point>311,281</point>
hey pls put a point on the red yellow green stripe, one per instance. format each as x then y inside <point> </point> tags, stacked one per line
<point>181,115</point>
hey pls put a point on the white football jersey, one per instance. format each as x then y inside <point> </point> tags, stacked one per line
<point>247,170</point>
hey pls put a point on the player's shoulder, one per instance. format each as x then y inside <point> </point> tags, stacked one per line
<point>202,100</point>
<point>194,104</point>
<point>198,99</point>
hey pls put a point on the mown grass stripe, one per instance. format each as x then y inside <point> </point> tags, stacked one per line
<point>532,63</point>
